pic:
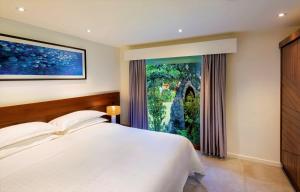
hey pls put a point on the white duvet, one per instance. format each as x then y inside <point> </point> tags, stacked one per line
<point>104,158</point>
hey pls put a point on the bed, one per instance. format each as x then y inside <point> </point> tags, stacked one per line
<point>102,157</point>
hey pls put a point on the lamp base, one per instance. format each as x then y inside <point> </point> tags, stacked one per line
<point>113,119</point>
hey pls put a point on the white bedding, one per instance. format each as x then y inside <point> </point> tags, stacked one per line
<point>104,158</point>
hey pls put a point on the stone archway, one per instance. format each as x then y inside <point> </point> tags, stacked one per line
<point>189,91</point>
<point>177,109</point>
<point>189,88</point>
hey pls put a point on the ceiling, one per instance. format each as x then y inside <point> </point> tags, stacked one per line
<point>127,22</point>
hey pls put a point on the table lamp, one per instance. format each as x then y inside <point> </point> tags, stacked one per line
<point>113,111</point>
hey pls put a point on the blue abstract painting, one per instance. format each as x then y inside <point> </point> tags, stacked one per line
<point>30,60</point>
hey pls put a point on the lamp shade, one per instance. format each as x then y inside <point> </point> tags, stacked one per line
<point>113,110</point>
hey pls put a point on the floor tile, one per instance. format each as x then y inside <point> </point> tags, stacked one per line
<point>234,175</point>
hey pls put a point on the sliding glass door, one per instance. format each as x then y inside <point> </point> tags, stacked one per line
<point>173,96</point>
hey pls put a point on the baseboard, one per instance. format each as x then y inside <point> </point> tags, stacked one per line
<point>255,159</point>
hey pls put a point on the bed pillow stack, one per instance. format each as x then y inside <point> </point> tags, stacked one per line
<point>77,120</point>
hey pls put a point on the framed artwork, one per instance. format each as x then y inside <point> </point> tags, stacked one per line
<point>28,59</point>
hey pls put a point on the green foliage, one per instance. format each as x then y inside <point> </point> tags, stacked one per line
<point>172,74</point>
<point>192,118</point>
<point>157,75</point>
<point>183,133</point>
<point>156,109</point>
<point>167,95</point>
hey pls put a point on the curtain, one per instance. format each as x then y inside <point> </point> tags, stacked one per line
<point>138,94</point>
<point>212,104</point>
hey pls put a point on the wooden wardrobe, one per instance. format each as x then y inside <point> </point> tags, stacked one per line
<point>290,107</point>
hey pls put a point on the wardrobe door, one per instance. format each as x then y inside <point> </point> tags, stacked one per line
<point>297,68</point>
<point>290,130</point>
<point>290,111</point>
<point>298,80</point>
<point>298,173</point>
<point>290,164</point>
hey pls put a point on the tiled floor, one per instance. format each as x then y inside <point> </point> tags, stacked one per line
<point>234,175</point>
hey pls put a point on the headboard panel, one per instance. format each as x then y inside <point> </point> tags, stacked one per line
<point>48,110</point>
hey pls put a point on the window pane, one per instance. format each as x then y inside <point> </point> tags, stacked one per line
<point>173,96</point>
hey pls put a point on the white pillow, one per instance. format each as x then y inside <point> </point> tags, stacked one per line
<point>25,144</point>
<point>85,124</point>
<point>69,120</point>
<point>16,133</point>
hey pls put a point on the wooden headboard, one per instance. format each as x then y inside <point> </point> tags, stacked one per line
<point>48,110</point>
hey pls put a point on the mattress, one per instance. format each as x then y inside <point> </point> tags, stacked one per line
<point>103,157</point>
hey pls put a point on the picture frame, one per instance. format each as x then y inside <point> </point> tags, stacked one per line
<point>29,59</point>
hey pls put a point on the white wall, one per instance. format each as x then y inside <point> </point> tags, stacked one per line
<point>102,69</point>
<point>253,96</point>
<point>124,87</point>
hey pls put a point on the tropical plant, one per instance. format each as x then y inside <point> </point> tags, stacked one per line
<point>156,110</point>
<point>192,118</point>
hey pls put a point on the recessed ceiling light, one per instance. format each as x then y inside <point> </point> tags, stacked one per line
<point>281,14</point>
<point>88,30</point>
<point>180,30</point>
<point>21,9</point>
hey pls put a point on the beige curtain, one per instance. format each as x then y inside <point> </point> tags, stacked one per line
<point>212,117</point>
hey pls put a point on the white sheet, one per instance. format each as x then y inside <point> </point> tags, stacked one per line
<point>104,158</point>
